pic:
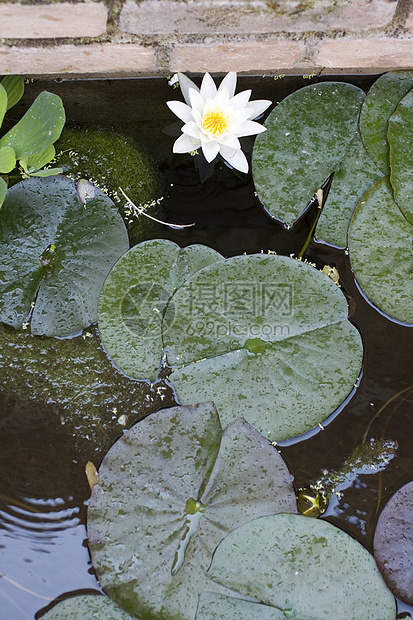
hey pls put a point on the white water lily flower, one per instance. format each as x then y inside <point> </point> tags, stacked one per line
<point>215,119</point>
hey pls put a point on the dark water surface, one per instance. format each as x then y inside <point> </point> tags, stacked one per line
<point>44,447</point>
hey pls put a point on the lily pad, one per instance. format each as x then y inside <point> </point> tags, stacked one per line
<point>135,295</point>
<point>357,172</point>
<point>55,252</point>
<point>268,338</point>
<point>401,155</point>
<point>290,562</point>
<point>307,136</point>
<point>87,607</point>
<point>218,607</point>
<point>393,543</point>
<point>381,252</point>
<point>169,490</point>
<point>380,103</point>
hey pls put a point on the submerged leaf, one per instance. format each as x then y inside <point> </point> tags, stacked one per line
<point>168,491</point>
<point>381,252</point>
<point>55,253</point>
<point>306,568</point>
<point>307,136</point>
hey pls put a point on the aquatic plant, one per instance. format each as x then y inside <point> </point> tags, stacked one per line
<point>30,142</point>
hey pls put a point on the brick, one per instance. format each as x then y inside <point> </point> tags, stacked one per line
<point>242,56</point>
<point>375,54</point>
<point>238,17</point>
<point>121,59</point>
<point>26,21</point>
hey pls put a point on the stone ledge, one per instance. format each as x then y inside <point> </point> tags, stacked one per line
<point>238,17</point>
<point>94,60</point>
<point>376,55</point>
<point>241,56</point>
<point>42,21</point>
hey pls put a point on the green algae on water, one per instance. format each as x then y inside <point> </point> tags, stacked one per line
<point>111,160</point>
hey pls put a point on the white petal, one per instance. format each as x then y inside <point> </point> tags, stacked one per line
<point>197,101</point>
<point>258,107</point>
<point>235,157</point>
<point>185,83</point>
<point>182,111</point>
<point>210,150</point>
<point>229,82</point>
<point>250,128</point>
<point>230,141</point>
<point>241,100</point>
<point>191,129</point>
<point>185,144</point>
<point>221,99</point>
<point>208,88</point>
<point>240,116</point>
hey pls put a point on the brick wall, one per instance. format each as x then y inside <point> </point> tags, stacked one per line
<point>159,37</point>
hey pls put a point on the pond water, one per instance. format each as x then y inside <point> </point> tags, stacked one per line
<point>50,426</point>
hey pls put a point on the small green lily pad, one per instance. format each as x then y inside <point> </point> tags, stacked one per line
<point>55,253</point>
<point>135,296</point>
<point>401,155</point>
<point>393,543</point>
<point>87,607</point>
<point>307,136</point>
<point>306,568</point>
<point>379,104</point>
<point>169,490</point>
<point>381,252</point>
<point>268,338</point>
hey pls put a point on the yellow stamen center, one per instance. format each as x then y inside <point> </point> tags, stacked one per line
<point>215,122</point>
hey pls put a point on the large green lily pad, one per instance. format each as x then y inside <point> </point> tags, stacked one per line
<point>55,252</point>
<point>356,173</point>
<point>87,607</point>
<point>381,252</point>
<point>306,568</point>
<point>135,295</point>
<point>169,490</point>
<point>307,136</point>
<point>401,155</point>
<point>379,104</point>
<point>393,543</point>
<point>268,338</point>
